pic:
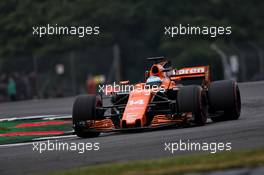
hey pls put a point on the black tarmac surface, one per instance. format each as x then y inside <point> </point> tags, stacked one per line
<point>245,133</point>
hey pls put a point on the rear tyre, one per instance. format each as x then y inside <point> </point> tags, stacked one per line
<point>193,99</point>
<point>224,96</point>
<point>84,108</point>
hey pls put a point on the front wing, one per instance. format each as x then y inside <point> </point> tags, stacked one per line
<point>158,122</point>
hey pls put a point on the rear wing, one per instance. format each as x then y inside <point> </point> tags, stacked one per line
<point>193,73</point>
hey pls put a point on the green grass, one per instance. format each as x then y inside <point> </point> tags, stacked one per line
<point>3,129</point>
<point>9,126</point>
<point>176,165</point>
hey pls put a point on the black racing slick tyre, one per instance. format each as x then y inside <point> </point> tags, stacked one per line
<point>193,99</point>
<point>224,96</point>
<point>84,109</point>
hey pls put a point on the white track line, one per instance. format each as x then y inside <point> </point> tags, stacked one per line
<point>53,138</point>
<point>15,144</point>
<point>46,117</point>
<point>36,140</point>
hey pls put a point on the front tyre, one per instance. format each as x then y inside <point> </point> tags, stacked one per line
<point>224,96</point>
<point>84,109</point>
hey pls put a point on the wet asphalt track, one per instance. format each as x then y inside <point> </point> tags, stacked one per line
<point>245,133</point>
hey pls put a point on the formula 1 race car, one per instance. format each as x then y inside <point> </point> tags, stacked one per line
<point>168,97</point>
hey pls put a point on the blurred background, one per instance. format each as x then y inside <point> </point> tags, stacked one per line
<point>130,31</point>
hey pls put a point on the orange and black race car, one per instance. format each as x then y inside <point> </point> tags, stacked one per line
<point>168,97</point>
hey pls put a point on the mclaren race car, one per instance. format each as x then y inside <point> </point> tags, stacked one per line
<point>168,97</point>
